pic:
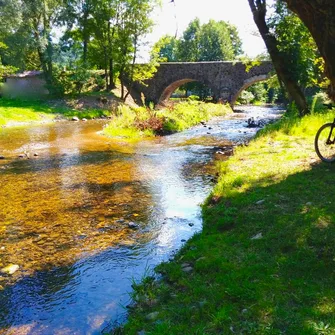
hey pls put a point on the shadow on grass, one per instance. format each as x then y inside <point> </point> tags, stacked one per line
<point>264,264</point>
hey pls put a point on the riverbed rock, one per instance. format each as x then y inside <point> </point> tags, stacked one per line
<point>84,119</point>
<point>2,157</point>
<point>36,154</point>
<point>10,269</point>
<point>133,225</point>
<point>75,118</point>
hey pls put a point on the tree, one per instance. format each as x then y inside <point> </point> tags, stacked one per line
<point>279,60</point>
<point>166,49</point>
<point>298,46</point>
<point>318,16</point>
<point>77,16</point>
<point>41,16</point>
<point>213,41</point>
<point>134,24</point>
<point>5,70</point>
<point>188,50</point>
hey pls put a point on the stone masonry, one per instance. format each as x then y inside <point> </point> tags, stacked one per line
<point>226,80</point>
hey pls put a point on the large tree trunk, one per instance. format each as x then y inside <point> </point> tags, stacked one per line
<point>319,18</point>
<point>258,8</point>
<point>86,36</point>
<point>111,61</point>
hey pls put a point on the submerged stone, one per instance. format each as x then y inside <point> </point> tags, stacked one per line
<point>10,269</point>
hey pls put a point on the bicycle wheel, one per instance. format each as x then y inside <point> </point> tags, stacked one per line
<point>325,143</point>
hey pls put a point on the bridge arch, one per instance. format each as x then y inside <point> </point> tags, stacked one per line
<point>247,83</point>
<point>167,91</point>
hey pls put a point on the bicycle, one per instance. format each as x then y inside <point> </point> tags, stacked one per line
<point>324,142</point>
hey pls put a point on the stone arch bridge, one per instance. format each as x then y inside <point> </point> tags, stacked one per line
<point>225,79</point>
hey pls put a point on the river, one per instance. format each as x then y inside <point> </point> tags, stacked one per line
<point>86,216</point>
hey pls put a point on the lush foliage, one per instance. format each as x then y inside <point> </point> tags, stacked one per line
<point>298,46</point>
<point>212,41</point>
<point>261,264</point>
<point>143,122</point>
<point>96,35</point>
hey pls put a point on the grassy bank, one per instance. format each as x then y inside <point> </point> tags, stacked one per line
<point>264,263</point>
<point>144,122</point>
<point>17,112</point>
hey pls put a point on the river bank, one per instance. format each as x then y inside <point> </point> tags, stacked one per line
<point>264,262</point>
<point>90,215</point>
<point>125,121</point>
<point>15,112</point>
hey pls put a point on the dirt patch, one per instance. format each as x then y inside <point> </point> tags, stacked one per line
<point>103,101</point>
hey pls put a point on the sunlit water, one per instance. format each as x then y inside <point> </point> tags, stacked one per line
<point>65,215</point>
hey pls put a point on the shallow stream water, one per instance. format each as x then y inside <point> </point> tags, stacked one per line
<point>88,215</point>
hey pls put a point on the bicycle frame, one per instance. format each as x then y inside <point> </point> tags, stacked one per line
<point>329,141</point>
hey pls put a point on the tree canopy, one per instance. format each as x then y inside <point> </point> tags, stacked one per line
<point>212,41</point>
<point>73,34</point>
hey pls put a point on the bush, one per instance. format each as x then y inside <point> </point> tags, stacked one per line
<point>318,102</point>
<point>246,97</point>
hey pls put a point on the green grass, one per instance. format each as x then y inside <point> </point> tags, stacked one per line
<point>16,112</point>
<point>264,263</point>
<point>144,122</point>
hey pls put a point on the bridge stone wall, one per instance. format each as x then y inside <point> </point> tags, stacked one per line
<point>226,79</point>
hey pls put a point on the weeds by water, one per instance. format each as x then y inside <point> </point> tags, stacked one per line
<point>264,263</point>
<point>145,122</point>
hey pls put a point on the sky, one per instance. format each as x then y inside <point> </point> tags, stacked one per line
<point>175,16</point>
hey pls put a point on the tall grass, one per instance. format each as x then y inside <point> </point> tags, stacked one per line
<point>142,122</point>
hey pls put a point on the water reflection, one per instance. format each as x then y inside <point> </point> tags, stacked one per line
<point>65,218</point>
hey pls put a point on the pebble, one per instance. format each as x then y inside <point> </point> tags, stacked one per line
<point>35,154</point>
<point>75,118</point>
<point>10,269</point>
<point>133,225</point>
<point>2,157</point>
<point>191,224</point>
<point>84,119</point>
